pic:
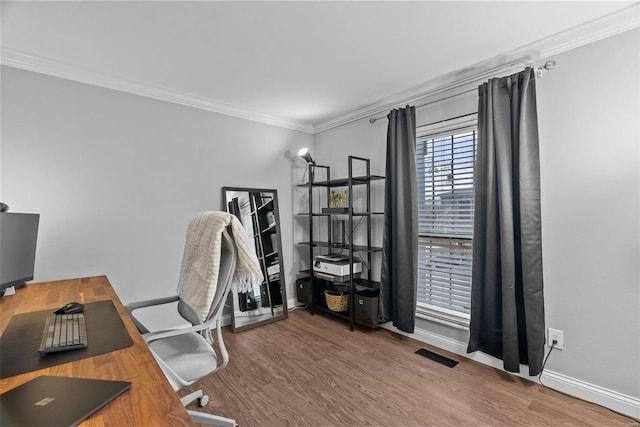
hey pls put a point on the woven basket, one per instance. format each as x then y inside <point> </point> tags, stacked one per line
<point>336,302</point>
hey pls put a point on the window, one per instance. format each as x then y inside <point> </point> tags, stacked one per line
<point>445,158</point>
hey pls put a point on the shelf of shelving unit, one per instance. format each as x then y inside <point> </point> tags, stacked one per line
<point>344,182</point>
<point>361,253</point>
<point>356,248</point>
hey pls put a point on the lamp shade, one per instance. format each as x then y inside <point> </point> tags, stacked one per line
<point>306,156</point>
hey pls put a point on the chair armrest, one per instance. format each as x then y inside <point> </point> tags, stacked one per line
<point>158,335</point>
<point>148,303</point>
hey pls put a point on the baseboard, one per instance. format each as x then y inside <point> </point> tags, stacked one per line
<point>460,348</point>
<point>613,400</point>
<point>291,304</point>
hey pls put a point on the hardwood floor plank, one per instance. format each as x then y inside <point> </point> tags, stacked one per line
<point>313,371</point>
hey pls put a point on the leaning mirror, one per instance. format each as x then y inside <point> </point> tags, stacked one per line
<point>257,210</point>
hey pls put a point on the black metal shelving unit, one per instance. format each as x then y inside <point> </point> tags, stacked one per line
<point>362,252</point>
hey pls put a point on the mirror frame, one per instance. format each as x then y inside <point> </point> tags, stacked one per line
<point>233,298</point>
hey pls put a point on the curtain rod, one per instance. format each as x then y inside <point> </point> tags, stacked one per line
<point>549,65</point>
<point>448,120</point>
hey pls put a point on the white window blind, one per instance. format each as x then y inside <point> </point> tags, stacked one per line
<point>445,158</point>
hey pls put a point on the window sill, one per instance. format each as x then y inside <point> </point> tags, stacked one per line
<point>457,320</point>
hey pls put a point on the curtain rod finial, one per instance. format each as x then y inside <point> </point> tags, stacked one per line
<point>372,120</point>
<point>549,65</point>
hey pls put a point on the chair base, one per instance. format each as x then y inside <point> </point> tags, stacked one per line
<point>202,398</point>
<point>204,418</point>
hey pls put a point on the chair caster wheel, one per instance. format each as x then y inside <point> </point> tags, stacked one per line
<point>202,401</point>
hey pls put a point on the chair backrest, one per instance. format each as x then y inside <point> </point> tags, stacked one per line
<point>228,259</point>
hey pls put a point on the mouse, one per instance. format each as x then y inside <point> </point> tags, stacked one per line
<point>71,308</point>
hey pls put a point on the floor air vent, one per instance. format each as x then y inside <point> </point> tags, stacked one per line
<point>437,358</point>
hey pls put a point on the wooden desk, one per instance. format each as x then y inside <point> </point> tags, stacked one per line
<point>151,401</point>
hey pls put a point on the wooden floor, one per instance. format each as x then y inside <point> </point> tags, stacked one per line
<point>312,371</point>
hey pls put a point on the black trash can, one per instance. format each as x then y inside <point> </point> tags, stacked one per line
<point>366,306</point>
<point>303,290</point>
<point>276,293</point>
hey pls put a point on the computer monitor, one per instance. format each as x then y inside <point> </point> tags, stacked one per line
<point>18,235</point>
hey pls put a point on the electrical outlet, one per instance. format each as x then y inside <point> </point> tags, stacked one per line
<point>558,337</point>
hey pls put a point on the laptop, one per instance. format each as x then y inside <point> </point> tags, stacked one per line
<point>57,401</point>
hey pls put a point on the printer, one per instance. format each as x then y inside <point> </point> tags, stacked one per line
<point>335,267</point>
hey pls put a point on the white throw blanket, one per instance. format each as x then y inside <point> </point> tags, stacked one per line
<point>201,261</point>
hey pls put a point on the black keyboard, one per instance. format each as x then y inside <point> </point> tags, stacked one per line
<point>63,332</point>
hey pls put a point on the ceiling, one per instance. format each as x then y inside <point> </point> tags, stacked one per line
<point>295,64</point>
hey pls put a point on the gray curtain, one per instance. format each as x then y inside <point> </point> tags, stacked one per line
<point>398,280</point>
<point>507,307</point>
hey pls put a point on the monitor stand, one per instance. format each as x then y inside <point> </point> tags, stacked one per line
<point>11,290</point>
<point>7,291</point>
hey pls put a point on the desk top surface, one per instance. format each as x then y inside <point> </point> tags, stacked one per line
<point>150,401</point>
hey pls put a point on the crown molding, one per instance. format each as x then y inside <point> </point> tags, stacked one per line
<point>38,64</point>
<point>440,85</point>
<point>610,25</point>
<point>607,26</point>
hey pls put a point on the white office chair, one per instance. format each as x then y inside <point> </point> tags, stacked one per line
<point>187,355</point>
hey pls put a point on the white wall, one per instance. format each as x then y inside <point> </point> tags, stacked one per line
<point>590,168</point>
<point>117,177</point>
<point>590,162</point>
